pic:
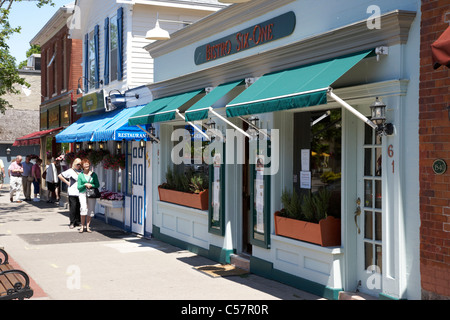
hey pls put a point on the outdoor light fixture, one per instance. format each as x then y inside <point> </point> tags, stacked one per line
<point>254,129</point>
<point>77,145</point>
<point>8,151</point>
<point>90,145</point>
<point>141,143</point>
<point>101,145</point>
<point>378,112</point>
<point>210,126</point>
<point>157,33</point>
<point>119,100</point>
<point>119,145</point>
<point>79,90</point>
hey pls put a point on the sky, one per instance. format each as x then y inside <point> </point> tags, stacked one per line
<point>31,18</point>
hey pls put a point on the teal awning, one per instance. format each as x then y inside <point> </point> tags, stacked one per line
<point>199,110</point>
<point>293,88</point>
<point>163,109</point>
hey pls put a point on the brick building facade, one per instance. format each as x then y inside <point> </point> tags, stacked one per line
<point>61,71</point>
<point>434,130</point>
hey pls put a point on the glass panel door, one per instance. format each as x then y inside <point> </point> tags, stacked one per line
<point>369,212</point>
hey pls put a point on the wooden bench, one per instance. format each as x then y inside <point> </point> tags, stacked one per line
<point>14,284</point>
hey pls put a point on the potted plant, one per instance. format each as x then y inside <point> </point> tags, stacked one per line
<point>190,190</point>
<point>306,219</point>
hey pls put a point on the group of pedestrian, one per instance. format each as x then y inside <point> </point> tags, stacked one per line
<point>22,175</point>
<point>78,178</point>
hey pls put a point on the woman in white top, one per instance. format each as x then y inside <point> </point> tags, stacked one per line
<point>51,179</point>
<point>70,177</point>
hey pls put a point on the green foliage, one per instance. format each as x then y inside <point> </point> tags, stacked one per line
<point>315,205</point>
<point>312,207</point>
<point>186,182</point>
<point>292,203</point>
<point>328,177</point>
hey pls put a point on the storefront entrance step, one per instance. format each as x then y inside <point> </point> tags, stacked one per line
<point>346,295</point>
<point>240,261</point>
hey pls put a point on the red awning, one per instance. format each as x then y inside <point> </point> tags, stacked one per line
<point>33,138</point>
<point>440,50</point>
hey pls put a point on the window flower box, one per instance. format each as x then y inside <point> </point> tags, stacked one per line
<point>193,200</point>
<point>326,233</point>
<point>110,203</point>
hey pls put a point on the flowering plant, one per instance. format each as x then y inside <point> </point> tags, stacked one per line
<point>109,195</point>
<point>114,162</point>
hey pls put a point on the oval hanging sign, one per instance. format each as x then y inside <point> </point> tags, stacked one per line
<point>262,33</point>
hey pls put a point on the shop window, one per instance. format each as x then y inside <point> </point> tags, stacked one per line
<point>317,155</point>
<point>65,116</point>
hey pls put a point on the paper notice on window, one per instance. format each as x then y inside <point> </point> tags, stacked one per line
<point>305,179</point>
<point>305,155</point>
<point>216,200</point>
<point>259,201</point>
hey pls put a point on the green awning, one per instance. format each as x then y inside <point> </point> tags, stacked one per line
<point>293,88</point>
<point>199,110</point>
<point>163,109</point>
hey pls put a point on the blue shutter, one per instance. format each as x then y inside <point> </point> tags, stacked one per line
<point>97,56</point>
<point>86,63</point>
<point>120,43</point>
<point>106,70</point>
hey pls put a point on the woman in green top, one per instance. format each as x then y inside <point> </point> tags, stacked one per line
<point>86,179</point>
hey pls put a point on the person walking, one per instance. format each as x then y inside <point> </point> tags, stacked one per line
<point>27,179</point>
<point>87,179</point>
<point>2,174</point>
<point>15,171</point>
<point>36,174</point>
<point>70,177</point>
<point>51,179</point>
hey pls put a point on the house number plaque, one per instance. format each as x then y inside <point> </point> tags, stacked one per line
<point>439,166</point>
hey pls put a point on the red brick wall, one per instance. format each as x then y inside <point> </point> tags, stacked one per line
<point>434,137</point>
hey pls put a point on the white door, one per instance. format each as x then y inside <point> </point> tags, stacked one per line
<point>138,191</point>
<point>369,211</point>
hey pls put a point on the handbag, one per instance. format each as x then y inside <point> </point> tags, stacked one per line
<point>92,193</point>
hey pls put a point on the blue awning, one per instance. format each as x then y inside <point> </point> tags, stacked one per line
<point>84,128</point>
<point>118,129</point>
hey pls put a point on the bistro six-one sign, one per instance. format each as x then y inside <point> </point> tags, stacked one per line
<point>254,36</point>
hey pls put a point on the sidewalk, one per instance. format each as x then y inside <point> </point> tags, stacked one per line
<point>109,264</point>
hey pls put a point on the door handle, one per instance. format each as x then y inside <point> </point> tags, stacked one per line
<point>357,214</point>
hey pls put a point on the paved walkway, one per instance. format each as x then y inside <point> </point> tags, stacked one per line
<point>110,264</point>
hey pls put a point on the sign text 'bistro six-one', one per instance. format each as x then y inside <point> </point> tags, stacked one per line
<point>248,38</point>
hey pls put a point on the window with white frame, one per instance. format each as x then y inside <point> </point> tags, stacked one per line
<point>113,47</point>
<point>91,61</point>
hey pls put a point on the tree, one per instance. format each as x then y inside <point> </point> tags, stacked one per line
<point>33,49</point>
<point>9,76</point>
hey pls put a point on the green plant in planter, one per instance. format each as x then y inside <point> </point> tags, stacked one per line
<point>189,182</point>
<point>315,205</point>
<point>312,207</point>
<point>292,203</point>
<point>198,183</point>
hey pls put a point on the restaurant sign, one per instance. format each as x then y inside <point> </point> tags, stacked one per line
<point>262,33</point>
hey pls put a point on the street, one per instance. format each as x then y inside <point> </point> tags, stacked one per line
<point>109,264</point>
